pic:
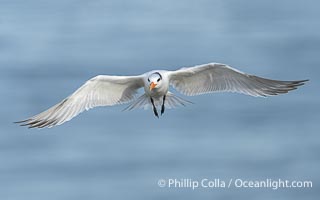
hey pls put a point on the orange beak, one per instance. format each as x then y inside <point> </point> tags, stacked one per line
<point>152,85</point>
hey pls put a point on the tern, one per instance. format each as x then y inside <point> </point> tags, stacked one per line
<point>105,90</point>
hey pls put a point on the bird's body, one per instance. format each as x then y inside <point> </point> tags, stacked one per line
<point>105,90</point>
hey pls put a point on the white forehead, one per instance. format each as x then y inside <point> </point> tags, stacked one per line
<point>154,75</point>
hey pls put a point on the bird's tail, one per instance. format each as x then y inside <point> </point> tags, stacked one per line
<point>173,101</point>
<point>144,102</point>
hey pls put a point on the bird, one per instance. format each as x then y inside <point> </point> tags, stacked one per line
<point>107,90</point>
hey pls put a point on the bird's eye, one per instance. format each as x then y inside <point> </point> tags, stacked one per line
<point>148,79</point>
<point>158,80</point>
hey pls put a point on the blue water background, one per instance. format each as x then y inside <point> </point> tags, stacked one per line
<point>49,48</point>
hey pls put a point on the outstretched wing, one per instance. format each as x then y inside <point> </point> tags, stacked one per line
<point>215,77</point>
<point>101,90</point>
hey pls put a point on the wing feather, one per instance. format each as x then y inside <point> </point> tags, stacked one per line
<point>215,77</point>
<point>101,90</point>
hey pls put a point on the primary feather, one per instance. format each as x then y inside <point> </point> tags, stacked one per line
<point>215,77</point>
<point>98,91</point>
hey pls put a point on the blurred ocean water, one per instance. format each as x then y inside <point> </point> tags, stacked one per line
<point>49,48</point>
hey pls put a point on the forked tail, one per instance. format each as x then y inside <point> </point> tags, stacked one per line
<point>171,101</point>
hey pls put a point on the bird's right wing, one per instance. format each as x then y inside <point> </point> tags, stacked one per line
<point>215,77</point>
<point>101,90</point>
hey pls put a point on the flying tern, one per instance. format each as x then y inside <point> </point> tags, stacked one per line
<point>105,90</point>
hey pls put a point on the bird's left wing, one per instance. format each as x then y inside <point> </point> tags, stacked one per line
<point>101,90</point>
<point>215,77</point>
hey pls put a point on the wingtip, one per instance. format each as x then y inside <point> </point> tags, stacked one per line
<point>302,81</point>
<point>22,121</point>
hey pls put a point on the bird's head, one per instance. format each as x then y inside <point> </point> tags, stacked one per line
<point>154,80</point>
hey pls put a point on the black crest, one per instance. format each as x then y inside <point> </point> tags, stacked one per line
<point>158,74</point>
